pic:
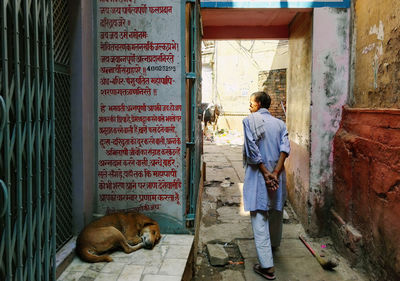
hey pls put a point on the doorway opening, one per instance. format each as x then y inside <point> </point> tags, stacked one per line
<point>249,50</point>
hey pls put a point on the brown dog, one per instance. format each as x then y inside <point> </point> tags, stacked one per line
<point>129,231</point>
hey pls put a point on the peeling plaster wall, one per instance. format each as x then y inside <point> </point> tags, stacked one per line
<point>330,76</point>
<point>298,113</point>
<point>318,77</point>
<point>377,55</point>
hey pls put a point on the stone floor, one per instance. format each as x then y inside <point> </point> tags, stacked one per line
<point>224,222</point>
<point>167,261</point>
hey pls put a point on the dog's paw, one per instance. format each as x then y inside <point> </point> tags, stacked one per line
<point>108,259</point>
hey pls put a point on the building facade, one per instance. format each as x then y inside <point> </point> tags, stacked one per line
<point>133,139</point>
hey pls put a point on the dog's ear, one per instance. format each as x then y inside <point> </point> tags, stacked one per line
<point>148,221</point>
<point>142,225</point>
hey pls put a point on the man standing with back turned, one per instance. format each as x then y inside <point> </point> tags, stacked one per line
<point>266,146</point>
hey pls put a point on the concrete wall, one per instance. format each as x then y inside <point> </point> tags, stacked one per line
<point>330,87</point>
<point>317,89</point>
<point>82,115</point>
<point>366,149</point>
<point>298,113</point>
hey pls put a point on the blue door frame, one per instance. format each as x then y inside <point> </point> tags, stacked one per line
<point>194,138</point>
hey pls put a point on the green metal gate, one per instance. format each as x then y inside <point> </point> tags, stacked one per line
<point>28,84</point>
<point>63,121</point>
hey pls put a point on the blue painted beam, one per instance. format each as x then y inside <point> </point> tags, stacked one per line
<point>274,4</point>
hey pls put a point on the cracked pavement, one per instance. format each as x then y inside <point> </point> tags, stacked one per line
<point>223,221</point>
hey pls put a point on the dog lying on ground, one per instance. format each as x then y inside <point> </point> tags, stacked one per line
<point>129,231</point>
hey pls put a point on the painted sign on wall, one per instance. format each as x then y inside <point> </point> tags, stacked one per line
<point>274,4</point>
<point>139,107</point>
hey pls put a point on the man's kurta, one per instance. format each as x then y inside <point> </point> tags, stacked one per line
<point>266,150</point>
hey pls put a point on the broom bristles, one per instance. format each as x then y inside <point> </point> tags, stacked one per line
<point>326,264</point>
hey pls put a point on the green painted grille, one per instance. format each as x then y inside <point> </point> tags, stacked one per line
<point>28,85</point>
<point>63,121</point>
<point>63,160</point>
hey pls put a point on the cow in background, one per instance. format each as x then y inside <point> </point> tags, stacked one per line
<point>211,113</point>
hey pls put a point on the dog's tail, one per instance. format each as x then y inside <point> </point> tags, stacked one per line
<point>87,255</point>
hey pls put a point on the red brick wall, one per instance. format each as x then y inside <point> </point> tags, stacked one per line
<point>274,83</point>
<point>367,188</point>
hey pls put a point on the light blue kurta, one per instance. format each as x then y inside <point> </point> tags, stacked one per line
<point>267,151</point>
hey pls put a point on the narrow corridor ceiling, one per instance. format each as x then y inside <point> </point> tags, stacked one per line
<point>235,23</point>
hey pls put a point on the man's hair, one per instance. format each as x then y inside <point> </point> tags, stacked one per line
<point>263,98</point>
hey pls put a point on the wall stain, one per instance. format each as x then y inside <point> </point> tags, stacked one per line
<point>331,90</point>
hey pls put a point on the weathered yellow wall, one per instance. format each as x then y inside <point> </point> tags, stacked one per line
<point>377,56</point>
<point>298,112</point>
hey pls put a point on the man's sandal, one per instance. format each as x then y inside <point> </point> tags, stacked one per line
<point>264,272</point>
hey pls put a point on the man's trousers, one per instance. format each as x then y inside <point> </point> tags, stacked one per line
<point>267,230</point>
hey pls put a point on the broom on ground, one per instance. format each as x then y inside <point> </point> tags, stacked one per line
<point>326,264</point>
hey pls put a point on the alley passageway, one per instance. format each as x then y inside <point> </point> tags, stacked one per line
<point>225,226</point>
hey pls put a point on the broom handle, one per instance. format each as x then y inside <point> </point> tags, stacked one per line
<point>308,246</point>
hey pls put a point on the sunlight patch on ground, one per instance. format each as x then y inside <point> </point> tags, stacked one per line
<point>242,212</point>
<point>223,137</point>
